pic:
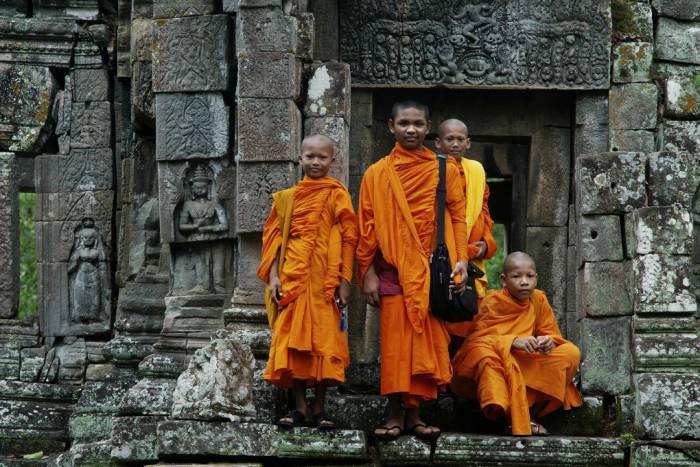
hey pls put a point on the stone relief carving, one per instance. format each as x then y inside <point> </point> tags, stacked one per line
<point>87,270</point>
<point>512,43</point>
<point>201,217</point>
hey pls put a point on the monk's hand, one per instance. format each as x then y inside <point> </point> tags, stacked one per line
<point>545,344</point>
<point>343,291</point>
<point>483,248</point>
<point>461,269</point>
<point>275,287</point>
<point>370,288</point>
<point>528,344</point>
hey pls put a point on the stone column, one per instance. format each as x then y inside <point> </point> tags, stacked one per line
<point>9,236</point>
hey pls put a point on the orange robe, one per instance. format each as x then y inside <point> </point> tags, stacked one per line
<point>307,340</point>
<point>397,219</point>
<point>510,381</point>
<point>479,228</point>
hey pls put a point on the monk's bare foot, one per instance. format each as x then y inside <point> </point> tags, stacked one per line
<point>392,429</point>
<point>418,427</point>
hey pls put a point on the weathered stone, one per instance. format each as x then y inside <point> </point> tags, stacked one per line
<point>90,84</point>
<point>607,358</point>
<point>548,248</point>
<point>666,344</point>
<point>677,41</point>
<point>9,363</point>
<point>26,104</point>
<point>185,437</point>
<point>231,6</point>
<point>248,291</point>
<point>150,396</point>
<point>140,308</point>
<point>90,125</point>
<point>680,9</point>
<point>190,54</point>
<point>632,140</point>
<point>78,9</point>
<point>667,230</point>
<point>604,289</point>
<point>9,236</point>
<point>662,284</point>
<point>592,109</point>
<point>91,455</point>
<point>217,383</point>
<point>265,30</point>
<point>591,419</point>
<point>610,183</point>
<point>405,450</point>
<point>191,126</point>
<point>625,413</point>
<point>175,8</point>
<point>680,136</point>
<point>681,90</point>
<point>673,178</point>
<point>479,450</point>
<point>590,141</point>
<point>74,206</point>
<point>251,328</point>
<point>160,366</point>
<point>54,242</point>
<point>667,405</point>
<point>31,361</point>
<point>269,75</point>
<point>91,427</point>
<point>256,183</point>
<point>134,439</point>
<point>678,454</point>
<point>642,24</point>
<point>633,106</point>
<point>328,91</point>
<point>125,350</point>
<point>632,62</point>
<point>306,35</point>
<point>337,129</point>
<point>361,412</point>
<point>279,120</point>
<point>550,173</point>
<point>599,239</point>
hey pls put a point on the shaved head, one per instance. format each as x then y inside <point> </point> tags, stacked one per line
<point>452,124</point>
<point>517,258</point>
<point>318,138</point>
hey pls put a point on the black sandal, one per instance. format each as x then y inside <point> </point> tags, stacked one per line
<point>423,434</point>
<point>387,436</point>
<point>298,419</point>
<point>323,421</point>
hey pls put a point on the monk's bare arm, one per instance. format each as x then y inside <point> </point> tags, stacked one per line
<point>457,207</point>
<point>367,243</point>
<point>347,220</point>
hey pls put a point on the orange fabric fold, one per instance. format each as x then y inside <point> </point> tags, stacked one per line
<point>513,380</point>
<point>307,342</point>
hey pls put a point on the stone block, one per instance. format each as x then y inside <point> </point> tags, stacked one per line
<point>590,140</point>
<point>142,96</point>
<point>677,41</point>
<point>9,363</point>
<point>632,62</point>
<point>405,450</point>
<point>190,54</point>
<point>251,327</point>
<point>260,3</point>
<point>91,125</point>
<point>249,290</point>
<point>607,356</point>
<point>633,106</point>
<point>269,75</point>
<point>632,140</point>
<point>642,21</point>
<point>667,405</point>
<point>277,121</point>
<point>231,6</point>
<point>306,35</point>
<point>265,30</point>
<point>549,177</point>
<point>679,9</point>
<point>681,92</point>
<point>91,427</point>
<point>256,183</point>
<point>573,328</point>
<point>591,109</point>
<point>591,419</point>
<point>31,361</point>
<point>667,230</point>
<point>140,308</point>
<point>141,39</point>
<point>599,239</point>
<point>77,9</point>
<point>650,455</point>
<point>191,126</point>
<point>610,183</point>
<point>604,289</point>
<point>680,136</point>
<point>328,92</point>
<point>90,84</point>
<point>674,178</point>
<point>150,396</point>
<point>9,236</point>
<point>478,450</point>
<point>337,129</point>
<point>74,206</point>
<point>666,344</point>
<point>663,284</point>
<point>547,246</point>
<point>176,8</point>
<point>134,439</point>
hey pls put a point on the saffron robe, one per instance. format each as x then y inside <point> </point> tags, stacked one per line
<point>307,340</point>
<point>510,381</point>
<point>479,228</point>
<point>396,216</point>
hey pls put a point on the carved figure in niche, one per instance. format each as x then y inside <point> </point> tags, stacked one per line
<point>86,270</point>
<point>152,246</point>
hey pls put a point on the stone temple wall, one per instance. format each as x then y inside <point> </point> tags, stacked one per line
<point>155,131</point>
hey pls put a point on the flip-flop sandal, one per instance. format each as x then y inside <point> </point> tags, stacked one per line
<point>422,434</point>
<point>387,436</point>
<point>323,421</point>
<point>298,419</point>
<point>538,430</point>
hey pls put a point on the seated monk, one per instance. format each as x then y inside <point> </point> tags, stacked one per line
<point>516,354</point>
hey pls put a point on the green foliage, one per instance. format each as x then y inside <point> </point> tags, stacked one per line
<point>494,266</point>
<point>27,263</point>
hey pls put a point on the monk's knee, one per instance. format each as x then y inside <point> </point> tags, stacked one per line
<point>571,353</point>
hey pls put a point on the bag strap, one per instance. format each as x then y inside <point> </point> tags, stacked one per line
<point>442,163</point>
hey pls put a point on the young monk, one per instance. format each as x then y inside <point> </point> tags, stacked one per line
<point>308,246</point>
<point>453,140</point>
<point>516,353</point>
<point>397,236</point>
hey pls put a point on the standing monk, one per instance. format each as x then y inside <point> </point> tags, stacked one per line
<point>397,236</point>
<point>308,247</point>
<point>453,140</point>
<point>516,353</point>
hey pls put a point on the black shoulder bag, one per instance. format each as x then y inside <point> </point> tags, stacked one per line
<point>461,306</point>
